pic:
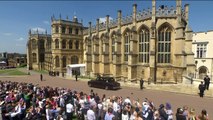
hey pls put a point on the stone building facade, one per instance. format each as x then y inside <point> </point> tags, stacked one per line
<point>202,46</point>
<point>154,43</point>
<point>54,52</point>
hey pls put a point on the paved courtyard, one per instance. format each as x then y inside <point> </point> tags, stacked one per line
<point>158,93</point>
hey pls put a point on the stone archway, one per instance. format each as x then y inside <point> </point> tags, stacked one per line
<point>202,71</point>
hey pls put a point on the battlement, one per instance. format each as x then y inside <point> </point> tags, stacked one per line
<point>161,12</point>
<point>67,21</point>
<point>41,35</point>
<point>38,33</point>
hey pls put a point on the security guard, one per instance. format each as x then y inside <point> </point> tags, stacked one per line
<point>141,83</point>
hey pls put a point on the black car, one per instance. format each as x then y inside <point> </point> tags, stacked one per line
<point>105,83</point>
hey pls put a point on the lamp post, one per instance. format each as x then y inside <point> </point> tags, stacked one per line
<point>191,75</point>
<point>196,69</point>
<point>175,75</point>
<point>164,75</point>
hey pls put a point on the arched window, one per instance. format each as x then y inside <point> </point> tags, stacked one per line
<point>41,44</point>
<point>56,29</point>
<point>63,29</point>
<point>164,45</point>
<point>74,60</point>
<point>57,63</point>
<point>41,57</point>
<point>64,61</point>
<point>113,45</point>
<point>201,50</point>
<point>34,44</point>
<point>70,44</point>
<point>34,58</point>
<point>144,45</point>
<point>77,44</point>
<point>101,46</point>
<point>76,31</point>
<point>126,46</point>
<point>56,44</point>
<point>203,70</point>
<point>47,44</point>
<point>70,30</point>
<point>63,44</point>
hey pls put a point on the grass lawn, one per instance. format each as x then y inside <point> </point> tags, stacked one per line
<point>86,77</point>
<point>3,71</point>
<point>12,72</point>
<point>41,71</point>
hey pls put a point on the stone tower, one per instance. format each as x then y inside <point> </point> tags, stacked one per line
<point>67,43</point>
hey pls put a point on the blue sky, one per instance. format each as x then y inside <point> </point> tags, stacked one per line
<point>17,17</point>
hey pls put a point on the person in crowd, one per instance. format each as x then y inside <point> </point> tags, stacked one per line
<point>192,115</point>
<point>91,113</point>
<point>109,115</point>
<point>169,111</point>
<point>203,115</point>
<point>162,112</point>
<point>125,115</point>
<point>156,115</point>
<point>186,111</point>
<point>49,114</point>
<point>69,110</point>
<point>179,114</point>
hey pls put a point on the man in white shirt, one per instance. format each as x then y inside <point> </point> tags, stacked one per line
<point>116,108</point>
<point>16,111</point>
<point>90,114</point>
<point>69,110</point>
<point>61,101</point>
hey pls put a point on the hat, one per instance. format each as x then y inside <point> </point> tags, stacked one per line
<point>180,110</point>
<point>168,106</point>
<point>137,109</point>
<point>161,106</point>
<point>192,111</point>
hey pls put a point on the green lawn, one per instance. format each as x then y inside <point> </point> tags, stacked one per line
<point>41,71</point>
<point>11,72</point>
<point>3,71</point>
<point>86,77</point>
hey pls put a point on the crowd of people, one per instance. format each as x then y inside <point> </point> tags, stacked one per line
<point>23,101</point>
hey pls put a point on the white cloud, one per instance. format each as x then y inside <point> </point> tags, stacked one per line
<point>20,39</point>
<point>7,34</point>
<point>103,19</point>
<point>46,22</point>
<point>20,45</point>
<point>40,30</point>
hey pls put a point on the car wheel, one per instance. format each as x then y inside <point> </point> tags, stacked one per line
<point>90,85</point>
<point>106,88</point>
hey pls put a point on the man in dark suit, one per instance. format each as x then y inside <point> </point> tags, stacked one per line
<point>141,83</point>
<point>202,89</point>
<point>41,77</point>
<point>76,75</point>
<point>207,82</point>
